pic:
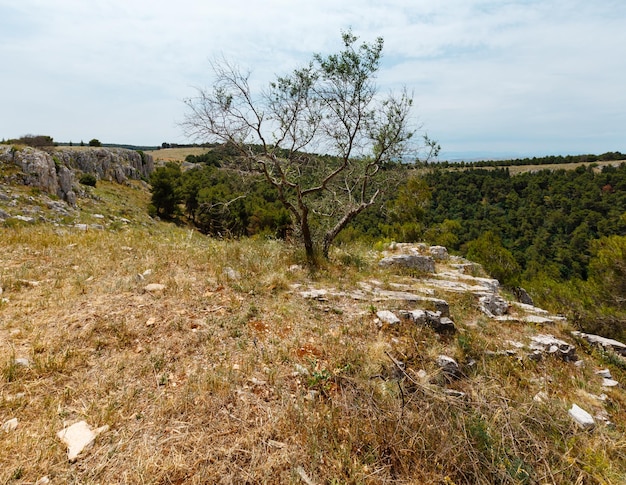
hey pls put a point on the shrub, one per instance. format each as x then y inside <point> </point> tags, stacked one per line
<point>88,179</point>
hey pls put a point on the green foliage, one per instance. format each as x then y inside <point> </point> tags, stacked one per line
<point>166,192</point>
<point>88,179</point>
<point>94,142</point>
<point>495,258</point>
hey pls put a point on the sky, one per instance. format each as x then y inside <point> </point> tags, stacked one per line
<point>490,79</point>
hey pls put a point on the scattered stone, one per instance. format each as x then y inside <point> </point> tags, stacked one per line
<point>609,383</point>
<point>432,319</point>
<point>78,436</point>
<point>449,366</point>
<point>230,273</point>
<point>439,253</point>
<point>538,320</point>
<point>301,370</point>
<point>23,361</point>
<point>98,216</point>
<point>549,344</point>
<point>315,295</point>
<point>9,425</point>
<point>493,305</point>
<point>605,343</point>
<point>454,393</point>
<point>81,227</point>
<point>522,296</point>
<point>413,261</point>
<point>154,287</point>
<point>25,218</point>
<point>151,321</point>
<point>98,227</point>
<point>606,373</point>
<point>582,417</point>
<point>541,396</point>
<point>385,316</point>
<point>43,481</point>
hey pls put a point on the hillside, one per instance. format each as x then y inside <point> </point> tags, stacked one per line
<point>206,361</point>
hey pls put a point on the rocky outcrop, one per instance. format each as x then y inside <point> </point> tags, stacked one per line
<point>55,172</point>
<point>114,164</point>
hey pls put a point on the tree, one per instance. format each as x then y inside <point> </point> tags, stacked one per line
<point>95,143</point>
<point>166,191</point>
<point>330,106</point>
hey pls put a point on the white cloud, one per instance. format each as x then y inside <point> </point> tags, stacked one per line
<point>485,73</point>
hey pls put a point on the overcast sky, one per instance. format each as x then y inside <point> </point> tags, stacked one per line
<point>490,78</point>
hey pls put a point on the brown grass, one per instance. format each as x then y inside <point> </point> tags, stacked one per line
<point>176,154</point>
<point>219,380</point>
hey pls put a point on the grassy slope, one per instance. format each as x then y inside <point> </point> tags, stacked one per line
<point>203,382</point>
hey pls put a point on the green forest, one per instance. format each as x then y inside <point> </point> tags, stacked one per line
<point>560,234</point>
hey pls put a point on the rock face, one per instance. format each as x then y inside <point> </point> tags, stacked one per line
<point>605,343</point>
<point>413,261</point>
<point>54,172</point>
<point>114,164</point>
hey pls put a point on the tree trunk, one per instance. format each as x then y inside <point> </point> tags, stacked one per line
<point>307,238</point>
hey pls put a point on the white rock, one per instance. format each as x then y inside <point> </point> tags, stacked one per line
<point>439,252</point>
<point>230,273</point>
<point>314,294</point>
<point>146,273</point>
<point>609,383</point>
<point>78,436</point>
<point>9,425</point>
<point>388,317</point>
<point>43,481</point>
<point>582,417</point>
<point>98,216</point>
<point>154,287</point>
<point>606,373</point>
<point>541,396</point>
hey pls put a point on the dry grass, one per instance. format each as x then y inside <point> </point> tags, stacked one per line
<point>241,380</point>
<point>176,154</point>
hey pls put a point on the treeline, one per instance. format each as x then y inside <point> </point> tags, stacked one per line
<point>220,202</point>
<point>559,233</point>
<point>547,160</point>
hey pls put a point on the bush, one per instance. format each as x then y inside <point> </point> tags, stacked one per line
<point>88,179</point>
<point>95,143</point>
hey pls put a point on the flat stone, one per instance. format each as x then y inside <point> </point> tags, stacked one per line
<point>79,436</point>
<point>609,383</point>
<point>448,366</point>
<point>606,373</point>
<point>582,417</point>
<point>606,343</point>
<point>412,261</point>
<point>154,287</point>
<point>314,294</point>
<point>385,316</point>
<point>439,252</point>
<point>551,345</point>
<point>9,425</point>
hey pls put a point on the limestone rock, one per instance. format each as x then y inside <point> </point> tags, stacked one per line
<point>582,417</point>
<point>78,436</point>
<point>605,343</point>
<point>522,296</point>
<point>448,366</point>
<point>549,344</point>
<point>434,320</point>
<point>439,253</point>
<point>9,425</point>
<point>385,316</point>
<point>493,305</point>
<point>154,288</point>
<point>412,261</point>
<point>231,274</point>
<point>609,382</point>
